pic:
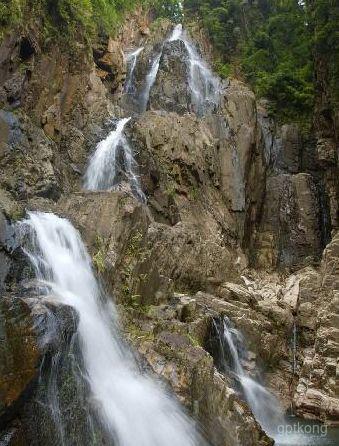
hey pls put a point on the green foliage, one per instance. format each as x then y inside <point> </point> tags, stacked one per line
<point>224,70</point>
<point>66,18</point>
<point>271,39</point>
<point>171,9</point>
<point>324,23</point>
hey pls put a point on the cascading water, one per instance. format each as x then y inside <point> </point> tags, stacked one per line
<point>149,81</point>
<point>205,87</point>
<point>263,404</point>
<point>152,75</point>
<point>133,409</point>
<point>131,59</point>
<point>101,173</point>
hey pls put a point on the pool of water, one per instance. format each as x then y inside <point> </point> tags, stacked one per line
<point>300,432</point>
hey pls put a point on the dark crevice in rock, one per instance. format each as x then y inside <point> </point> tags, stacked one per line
<point>26,49</point>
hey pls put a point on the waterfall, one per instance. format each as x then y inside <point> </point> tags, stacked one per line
<point>132,407</point>
<point>102,172</point>
<point>204,86</point>
<point>152,74</point>
<point>265,407</point>
<point>131,59</point>
<point>150,79</point>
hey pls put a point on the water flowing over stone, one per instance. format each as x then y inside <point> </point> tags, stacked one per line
<point>102,171</point>
<point>151,76</point>
<point>205,87</point>
<point>263,404</point>
<point>133,408</point>
<point>131,59</point>
<point>149,81</point>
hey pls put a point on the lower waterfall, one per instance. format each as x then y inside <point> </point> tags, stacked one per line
<point>132,407</point>
<point>264,405</point>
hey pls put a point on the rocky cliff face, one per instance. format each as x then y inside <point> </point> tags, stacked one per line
<point>238,213</point>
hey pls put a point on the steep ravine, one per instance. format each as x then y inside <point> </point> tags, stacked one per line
<point>197,207</point>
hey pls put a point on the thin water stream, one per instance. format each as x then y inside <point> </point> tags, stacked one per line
<point>286,431</point>
<point>131,59</point>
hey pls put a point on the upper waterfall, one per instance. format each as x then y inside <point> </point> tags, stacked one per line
<point>149,81</point>
<point>134,409</point>
<point>205,87</point>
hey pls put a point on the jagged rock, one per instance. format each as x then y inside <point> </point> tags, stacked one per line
<point>174,353</point>
<point>109,58</point>
<point>326,151</point>
<point>26,162</point>
<point>240,112</point>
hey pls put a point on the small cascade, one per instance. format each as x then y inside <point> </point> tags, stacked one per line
<point>264,405</point>
<point>131,59</point>
<point>205,87</point>
<point>102,172</point>
<point>132,408</point>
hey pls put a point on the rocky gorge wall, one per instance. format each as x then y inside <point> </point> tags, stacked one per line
<point>239,211</point>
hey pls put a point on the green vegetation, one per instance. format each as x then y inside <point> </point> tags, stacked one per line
<point>65,18</point>
<point>269,42</point>
<point>171,9</point>
<point>75,18</point>
<point>324,24</point>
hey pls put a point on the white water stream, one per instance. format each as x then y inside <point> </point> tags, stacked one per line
<point>205,87</point>
<point>133,408</point>
<point>101,173</point>
<point>264,405</point>
<point>149,81</point>
<point>131,59</point>
<point>203,84</point>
